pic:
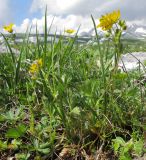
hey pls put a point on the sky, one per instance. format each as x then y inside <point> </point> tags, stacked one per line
<point>67,14</point>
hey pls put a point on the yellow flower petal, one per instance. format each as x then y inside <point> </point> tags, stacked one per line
<point>107,20</point>
<point>40,62</point>
<point>35,67</point>
<point>9,28</point>
<point>69,31</point>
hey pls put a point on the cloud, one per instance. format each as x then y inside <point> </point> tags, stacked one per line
<point>71,14</point>
<point>76,7</point>
<point>23,27</point>
<point>5,12</point>
<point>59,24</point>
<point>131,9</point>
<point>68,14</point>
<point>140,30</point>
<point>55,7</point>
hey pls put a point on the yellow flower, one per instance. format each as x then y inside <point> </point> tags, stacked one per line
<point>34,68</point>
<point>9,28</point>
<point>69,31</point>
<point>107,21</point>
<point>39,62</point>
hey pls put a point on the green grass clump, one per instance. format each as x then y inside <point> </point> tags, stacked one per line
<point>76,102</point>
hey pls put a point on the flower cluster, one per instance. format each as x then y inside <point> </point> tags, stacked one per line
<point>35,67</point>
<point>9,28</point>
<point>107,21</point>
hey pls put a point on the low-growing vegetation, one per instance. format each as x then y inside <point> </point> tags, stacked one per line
<point>63,100</point>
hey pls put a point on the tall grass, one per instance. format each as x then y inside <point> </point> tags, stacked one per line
<point>77,103</point>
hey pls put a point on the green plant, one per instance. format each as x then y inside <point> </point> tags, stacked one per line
<point>60,93</point>
<point>125,150</point>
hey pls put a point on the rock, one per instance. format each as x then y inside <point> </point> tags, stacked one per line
<point>132,61</point>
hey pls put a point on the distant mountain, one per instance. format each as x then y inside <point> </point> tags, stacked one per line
<point>135,32</point>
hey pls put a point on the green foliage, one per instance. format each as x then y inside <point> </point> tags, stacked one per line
<point>22,156</point>
<point>78,98</point>
<point>144,63</point>
<point>16,132</point>
<point>3,145</point>
<point>126,149</point>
